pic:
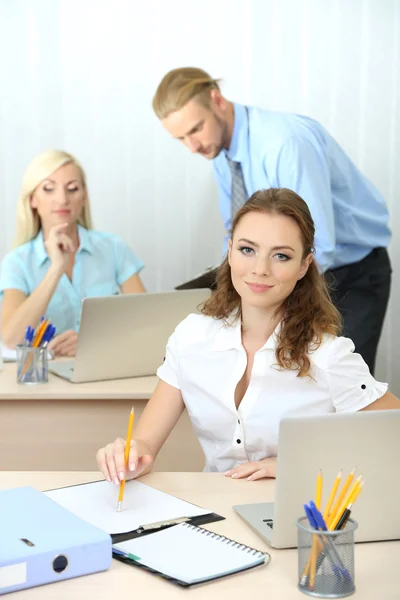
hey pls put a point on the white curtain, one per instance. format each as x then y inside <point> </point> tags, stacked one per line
<point>80,75</point>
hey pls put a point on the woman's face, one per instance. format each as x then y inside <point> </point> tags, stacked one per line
<point>60,198</point>
<point>266,259</point>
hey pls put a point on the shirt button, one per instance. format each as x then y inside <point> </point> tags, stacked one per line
<point>239,441</point>
<point>363,386</point>
<point>239,421</point>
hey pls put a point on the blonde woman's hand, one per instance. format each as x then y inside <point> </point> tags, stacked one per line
<point>64,344</point>
<point>254,470</point>
<point>59,246</point>
<point>111,461</point>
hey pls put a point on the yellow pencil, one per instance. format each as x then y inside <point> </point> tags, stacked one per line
<point>332,495</point>
<point>313,561</point>
<point>126,456</point>
<point>342,494</point>
<point>39,334</point>
<point>316,543</point>
<point>315,540</point>
<point>355,494</point>
<point>318,493</point>
<point>332,523</point>
<point>306,571</point>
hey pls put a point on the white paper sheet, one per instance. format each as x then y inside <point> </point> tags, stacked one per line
<point>10,355</point>
<point>96,503</point>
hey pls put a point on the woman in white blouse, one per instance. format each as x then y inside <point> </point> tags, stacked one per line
<point>265,347</point>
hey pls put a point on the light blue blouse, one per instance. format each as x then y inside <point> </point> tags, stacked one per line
<point>103,263</point>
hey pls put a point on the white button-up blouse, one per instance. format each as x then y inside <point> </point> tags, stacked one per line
<point>205,360</point>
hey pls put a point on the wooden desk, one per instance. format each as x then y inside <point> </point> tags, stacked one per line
<point>60,425</point>
<point>376,564</point>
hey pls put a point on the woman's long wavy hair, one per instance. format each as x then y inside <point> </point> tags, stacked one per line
<point>308,312</point>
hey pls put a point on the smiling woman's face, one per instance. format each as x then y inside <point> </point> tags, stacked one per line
<point>266,255</point>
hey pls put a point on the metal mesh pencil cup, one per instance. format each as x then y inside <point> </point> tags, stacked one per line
<point>326,560</point>
<point>32,365</point>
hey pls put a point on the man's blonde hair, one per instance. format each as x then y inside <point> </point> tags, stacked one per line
<point>41,167</point>
<point>181,85</point>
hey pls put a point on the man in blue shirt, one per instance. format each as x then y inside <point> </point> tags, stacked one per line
<point>253,149</point>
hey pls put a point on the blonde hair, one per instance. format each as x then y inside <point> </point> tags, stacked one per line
<point>41,167</point>
<point>181,85</point>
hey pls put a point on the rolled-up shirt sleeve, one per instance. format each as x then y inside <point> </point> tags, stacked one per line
<point>303,167</point>
<point>169,371</point>
<point>351,383</point>
<point>12,274</point>
<point>127,263</point>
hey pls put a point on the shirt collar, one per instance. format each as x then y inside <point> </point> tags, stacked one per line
<point>39,249</point>
<point>238,148</point>
<point>85,244</point>
<point>229,336</point>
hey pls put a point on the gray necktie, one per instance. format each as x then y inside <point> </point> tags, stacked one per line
<point>239,194</point>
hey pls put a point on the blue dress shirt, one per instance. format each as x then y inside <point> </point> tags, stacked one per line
<point>284,150</point>
<point>102,263</point>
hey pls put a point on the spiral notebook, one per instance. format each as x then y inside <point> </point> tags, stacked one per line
<point>188,555</point>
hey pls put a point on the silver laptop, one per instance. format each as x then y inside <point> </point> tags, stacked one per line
<point>126,335</point>
<point>369,441</point>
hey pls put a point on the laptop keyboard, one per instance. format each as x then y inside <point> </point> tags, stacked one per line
<point>269,522</point>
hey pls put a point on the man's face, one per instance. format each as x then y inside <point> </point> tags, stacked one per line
<point>201,129</point>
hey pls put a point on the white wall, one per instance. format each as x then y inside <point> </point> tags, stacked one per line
<point>80,75</point>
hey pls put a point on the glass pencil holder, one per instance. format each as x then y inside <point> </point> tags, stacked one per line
<point>32,365</point>
<point>326,560</point>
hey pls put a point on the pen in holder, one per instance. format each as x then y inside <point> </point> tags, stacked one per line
<point>32,365</point>
<point>332,552</point>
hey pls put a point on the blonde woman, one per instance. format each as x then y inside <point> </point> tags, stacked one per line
<point>58,259</point>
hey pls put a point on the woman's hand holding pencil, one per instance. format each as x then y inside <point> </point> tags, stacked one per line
<point>118,464</point>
